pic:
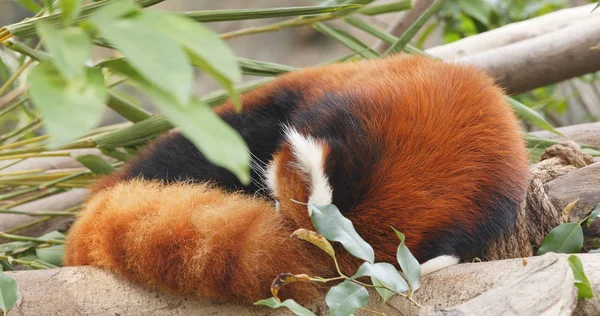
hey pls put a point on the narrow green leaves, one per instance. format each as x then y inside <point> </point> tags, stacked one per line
<point>8,292</point>
<point>346,298</point>
<point>409,264</point>
<point>383,272</point>
<point>414,28</point>
<point>30,5</point>
<point>69,49</point>
<point>347,40</point>
<point>96,164</point>
<point>584,287</point>
<point>329,222</point>
<point>531,116</point>
<point>565,238</point>
<point>70,10</point>
<point>69,108</point>
<point>386,8</point>
<point>289,303</point>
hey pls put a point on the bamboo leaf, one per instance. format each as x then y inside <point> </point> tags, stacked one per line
<point>69,48</point>
<point>155,56</point>
<point>207,51</point>
<point>59,101</point>
<point>347,40</point>
<point>96,164</point>
<point>386,8</point>
<point>249,14</point>
<point>70,10</point>
<point>414,28</point>
<point>30,5</point>
<point>531,116</point>
<point>218,141</point>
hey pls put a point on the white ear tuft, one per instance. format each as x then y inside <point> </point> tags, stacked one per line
<point>309,153</point>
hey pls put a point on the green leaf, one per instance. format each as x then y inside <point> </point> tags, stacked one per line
<point>347,40</point>
<point>262,13</point>
<point>584,287</point>
<point>565,238</point>
<point>386,8</point>
<point>476,9</point>
<point>200,41</point>
<point>70,109</point>
<point>384,293</point>
<point>409,264</point>
<point>114,10</point>
<point>8,292</point>
<point>346,298</point>
<point>96,164</point>
<point>531,116</point>
<point>384,272</point>
<point>30,5</point>
<point>70,10</point>
<point>52,255</point>
<point>593,215</point>
<point>330,223</point>
<point>56,235</point>
<point>218,141</point>
<point>155,56</point>
<point>70,49</point>
<point>412,30</point>
<point>289,303</point>
<point>204,47</point>
<point>596,7</point>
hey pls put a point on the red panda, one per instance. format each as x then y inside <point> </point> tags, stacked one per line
<point>427,147</point>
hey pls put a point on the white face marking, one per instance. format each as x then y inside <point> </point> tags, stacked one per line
<point>309,153</point>
<point>438,263</point>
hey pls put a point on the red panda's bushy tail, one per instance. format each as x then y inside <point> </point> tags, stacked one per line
<point>192,239</point>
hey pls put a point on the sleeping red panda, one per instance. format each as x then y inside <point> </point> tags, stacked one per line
<point>427,147</point>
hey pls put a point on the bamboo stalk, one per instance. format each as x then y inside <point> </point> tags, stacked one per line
<point>252,14</point>
<point>25,142</point>
<point>45,213</point>
<point>32,239</point>
<point>414,28</point>
<point>26,28</point>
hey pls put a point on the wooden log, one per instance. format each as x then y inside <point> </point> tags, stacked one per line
<point>537,284</point>
<point>515,32</point>
<point>544,59</point>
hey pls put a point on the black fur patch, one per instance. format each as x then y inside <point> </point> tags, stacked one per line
<point>351,157</point>
<point>177,159</point>
<point>498,215</point>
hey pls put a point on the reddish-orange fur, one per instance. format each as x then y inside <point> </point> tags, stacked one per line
<point>194,239</point>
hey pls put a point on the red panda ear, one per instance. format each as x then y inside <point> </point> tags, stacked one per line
<point>297,173</point>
